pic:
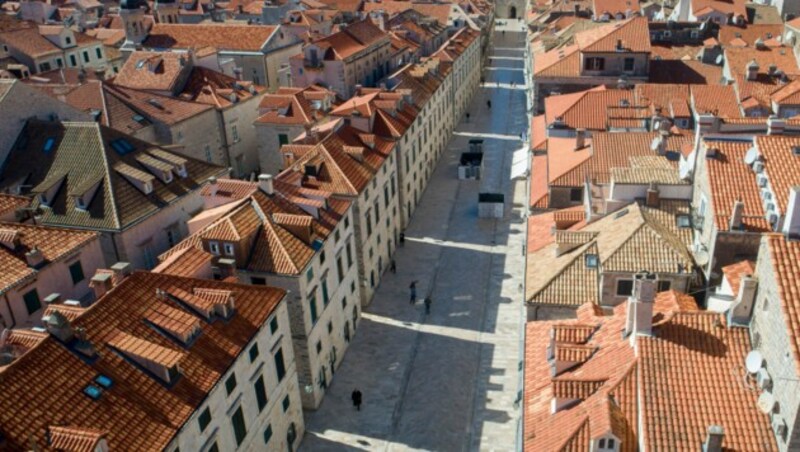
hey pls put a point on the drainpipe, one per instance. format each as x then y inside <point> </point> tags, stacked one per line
<point>10,312</point>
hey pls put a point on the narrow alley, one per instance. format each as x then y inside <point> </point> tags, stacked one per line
<point>449,380</point>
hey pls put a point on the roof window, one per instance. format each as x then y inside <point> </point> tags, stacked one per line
<point>591,261</point>
<point>94,392</point>
<point>796,150</point>
<point>684,221</point>
<point>122,146</point>
<point>49,144</point>
<point>621,213</point>
<point>104,381</point>
<point>139,118</point>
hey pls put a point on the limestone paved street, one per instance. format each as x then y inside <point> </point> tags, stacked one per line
<point>446,381</point>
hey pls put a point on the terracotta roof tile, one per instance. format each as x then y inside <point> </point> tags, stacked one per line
<point>75,439</point>
<point>53,243</point>
<point>677,415</point>
<point>153,412</point>
<point>749,33</point>
<point>83,154</point>
<point>782,165</point>
<point>219,36</point>
<point>156,71</point>
<point>634,34</point>
<point>785,258</point>
<point>731,179</point>
<point>10,203</point>
<point>615,382</point>
<point>717,100</point>
<point>734,272</point>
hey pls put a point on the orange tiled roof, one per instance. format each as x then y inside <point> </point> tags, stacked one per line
<point>10,203</point>
<point>633,33</point>
<point>734,272</point>
<point>233,37</point>
<point>614,7</point>
<point>729,179</point>
<point>153,412</point>
<point>717,100</point>
<point>781,164</point>
<point>585,109</point>
<point>611,150</point>
<point>760,89</point>
<point>563,62</point>
<point>156,71</point>
<point>54,244</point>
<point>692,344</point>
<point>614,383</point>
<point>749,33</point>
<point>272,245</point>
<point>785,259</point>
<point>734,8</point>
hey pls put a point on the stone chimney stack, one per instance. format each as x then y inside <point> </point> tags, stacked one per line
<point>653,198</point>
<point>639,320</point>
<point>580,139</point>
<point>713,442</point>
<point>34,257</point>
<point>752,70</point>
<point>791,221</point>
<point>736,215</point>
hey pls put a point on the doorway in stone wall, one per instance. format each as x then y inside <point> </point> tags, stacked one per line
<point>513,13</point>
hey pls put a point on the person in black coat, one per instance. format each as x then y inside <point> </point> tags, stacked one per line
<point>356,396</point>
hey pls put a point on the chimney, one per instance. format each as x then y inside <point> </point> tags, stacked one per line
<point>739,313</point>
<point>772,69</point>
<point>34,257</point>
<point>652,198</point>
<point>639,320</point>
<point>53,298</point>
<point>227,269</point>
<point>714,438</point>
<point>752,70</point>
<point>791,220</point>
<point>736,215</point>
<point>265,184</point>
<point>101,283</point>
<point>212,186</point>
<point>775,125</point>
<point>58,326</point>
<point>580,139</point>
<point>121,270</point>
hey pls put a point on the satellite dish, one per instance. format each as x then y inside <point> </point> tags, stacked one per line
<point>685,171</point>
<point>751,156</point>
<point>701,257</point>
<point>754,361</point>
<point>766,402</point>
<point>719,60</point>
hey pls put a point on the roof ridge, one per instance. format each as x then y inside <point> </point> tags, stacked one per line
<point>107,178</point>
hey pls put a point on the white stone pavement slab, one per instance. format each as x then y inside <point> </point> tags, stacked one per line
<point>448,380</point>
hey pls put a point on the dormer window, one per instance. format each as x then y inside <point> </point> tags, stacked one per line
<point>213,248</point>
<point>228,249</point>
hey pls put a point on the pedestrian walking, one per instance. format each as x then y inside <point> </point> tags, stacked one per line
<point>489,104</point>
<point>467,116</point>
<point>393,266</point>
<point>402,239</point>
<point>412,288</point>
<point>356,396</point>
<point>428,302</point>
